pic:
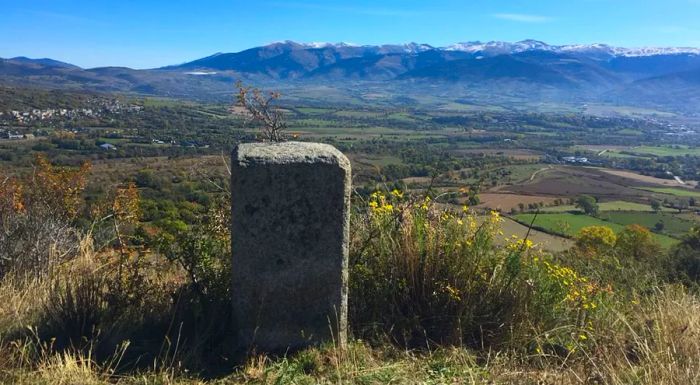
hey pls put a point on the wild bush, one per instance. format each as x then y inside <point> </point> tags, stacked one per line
<point>203,252</point>
<point>422,275</point>
<point>596,239</point>
<point>37,211</point>
<point>685,259</point>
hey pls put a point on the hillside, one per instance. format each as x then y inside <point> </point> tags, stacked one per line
<point>586,73</point>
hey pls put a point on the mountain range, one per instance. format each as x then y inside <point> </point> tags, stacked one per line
<point>668,78</point>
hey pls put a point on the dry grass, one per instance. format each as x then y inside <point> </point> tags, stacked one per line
<point>635,339</point>
<point>657,342</point>
<point>660,343</point>
<point>20,302</point>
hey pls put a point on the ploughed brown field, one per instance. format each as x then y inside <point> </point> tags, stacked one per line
<point>506,202</point>
<point>571,181</point>
<point>649,179</point>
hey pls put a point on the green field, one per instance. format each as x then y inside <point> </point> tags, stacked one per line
<point>607,206</point>
<point>673,226</point>
<point>677,150</point>
<point>163,102</point>
<point>359,114</point>
<point>644,151</point>
<point>523,172</point>
<point>630,131</point>
<point>377,160</point>
<point>312,110</point>
<point>541,239</point>
<point>647,151</point>
<point>568,224</point>
<point>615,154</point>
<point>679,192</point>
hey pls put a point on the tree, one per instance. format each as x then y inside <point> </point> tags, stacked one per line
<point>588,204</point>
<point>659,226</point>
<point>655,205</point>
<point>596,238</point>
<point>686,257</point>
<point>680,205</point>
<point>473,199</point>
<point>637,242</point>
<point>260,108</point>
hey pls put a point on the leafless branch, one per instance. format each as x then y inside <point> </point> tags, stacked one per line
<point>261,108</point>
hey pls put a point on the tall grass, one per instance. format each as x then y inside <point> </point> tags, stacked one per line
<point>658,341</point>
<point>434,298</point>
<point>426,276</point>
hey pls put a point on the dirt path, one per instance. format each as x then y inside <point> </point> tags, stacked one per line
<point>534,174</point>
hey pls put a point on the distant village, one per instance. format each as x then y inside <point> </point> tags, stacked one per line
<point>16,121</point>
<point>100,108</point>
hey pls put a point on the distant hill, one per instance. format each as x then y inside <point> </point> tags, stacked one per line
<point>41,62</point>
<point>644,76</point>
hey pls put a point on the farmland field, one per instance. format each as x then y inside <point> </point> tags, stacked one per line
<point>641,178</point>
<point>540,238</point>
<point>642,151</point>
<point>516,154</point>
<point>506,202</point>
<point>673,225</point>
<point>572,181</point>
<point>666,150</point>
<point>568,224</point>
<point>679,192</point>
<point>608,206</point>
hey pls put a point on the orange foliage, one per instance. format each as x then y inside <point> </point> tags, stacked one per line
<point>11,195</point>
<point>126,204</point>
<point>59,188</point>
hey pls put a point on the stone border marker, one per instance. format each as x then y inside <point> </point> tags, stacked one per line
<point>289,239</point>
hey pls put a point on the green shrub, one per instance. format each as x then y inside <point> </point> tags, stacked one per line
<point>686,258</point>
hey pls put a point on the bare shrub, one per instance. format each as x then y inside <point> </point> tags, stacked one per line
<point>261,109</point>
<point>36,213</point>
<point>32,243</point>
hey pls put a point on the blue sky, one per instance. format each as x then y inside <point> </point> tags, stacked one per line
<point>152,33</point>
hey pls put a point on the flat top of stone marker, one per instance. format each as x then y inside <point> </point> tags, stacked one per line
<point>289,152</point>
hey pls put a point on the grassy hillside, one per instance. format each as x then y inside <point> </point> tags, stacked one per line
<point>436,296</point>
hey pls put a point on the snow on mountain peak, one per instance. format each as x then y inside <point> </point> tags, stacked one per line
<point>501,47</point>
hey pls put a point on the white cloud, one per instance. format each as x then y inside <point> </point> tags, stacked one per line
<point>523,17</point>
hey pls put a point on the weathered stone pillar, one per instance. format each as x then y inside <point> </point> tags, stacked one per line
<point>290,218</point>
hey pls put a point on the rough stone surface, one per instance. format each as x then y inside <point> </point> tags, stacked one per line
<point>290,219</point>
